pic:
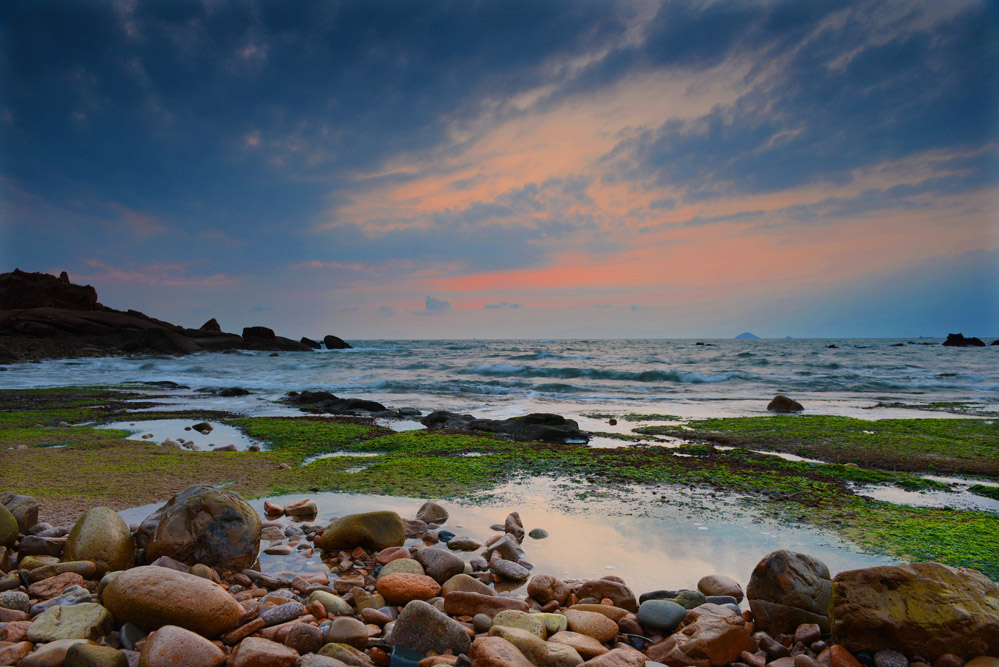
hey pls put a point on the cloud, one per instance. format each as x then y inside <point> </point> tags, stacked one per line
<point>434,305</point>
<point>386,311</point>
<point>261,309</point>
<point>174,274</point>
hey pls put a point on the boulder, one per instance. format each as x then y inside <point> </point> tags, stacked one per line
<point>371,530</point>
<point>544,588</point>
<point>532,427</point>
<point>591,624</point>
<point>514,526</point>
<point>24,509</point>
<point>151,597</point>
<point>663,616</point>
<point>464,582</point>
<point>203,524</point>
<point>787,589</point>
<point>622,656</point>
<point>260,652</point>
<point>347,630</point>
<point>100,535</point>
<point>401,588</point>
<point>512,618</point>
<point>333,343</point>
<point>708,639</point>
<point>781,403</point>
<point>172,645</point>
<point>52,653</point>
<point>211,325</point>
<point>8,528</point>
<point>311,343</point>
<point>537,651</point>
<point>421,627</point>
<point>924,609</point>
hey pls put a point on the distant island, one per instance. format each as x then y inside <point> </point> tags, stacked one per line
<point>745,335</point>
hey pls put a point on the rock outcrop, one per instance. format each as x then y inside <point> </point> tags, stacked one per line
<point>533,427</point>
<point>44,316</point>
<point>958,340</point>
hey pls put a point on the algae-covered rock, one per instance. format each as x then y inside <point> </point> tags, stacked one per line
<point>512,618</point>
<point>8,527</point>
<point>24,508</point>
<point>203,524</point>
<point>372,530</point>
<point>925,609</point>
<point>86,620</point>
<point>100,535</point>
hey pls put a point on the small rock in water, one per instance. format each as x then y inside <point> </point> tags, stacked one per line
<point>538,534</point>
<point>781,403</point>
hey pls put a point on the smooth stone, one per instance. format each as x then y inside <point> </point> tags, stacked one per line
<point>463,543</point>
<point>101,536</point>
<point>306,638</point>
<point>422,628</point>
<point>464,582</point>
<point>482,623</point>
<point>460,603</point>
<point>304,507</point>
<point>401,566</point>
<point>585,646</point>
<point>130,634</point>
<point>8,527</point>
<point>402,588</point>
<point>282,613</point>
<point>524,621</point>
<point>52,654</point>
<point>496,652</point>
<point>544,588</point>
<point>538,534</point>
<point>16,600</point>
<point>346,654</point>
<point>87,620</point>
<point>591,623</point>
<point>151,597</point>
<point>24,508</point>
<point>90,655</point>
<point>350,631</point>
<point>689,599</point>
<point>260,652</point>
<point>717,584</point>
<point>431,512</point>
<point>663,616</point>
<point>787,589</point>
<point>372,530</point>
<point>439,564</point>
<point>554,623</point>
<point>509,570</point>
<point>333,604</point>
<point>615,591</point>
<point>506,546</point>
<point>539,652</point>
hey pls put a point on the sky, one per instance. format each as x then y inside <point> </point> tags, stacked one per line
<point>514,169</point>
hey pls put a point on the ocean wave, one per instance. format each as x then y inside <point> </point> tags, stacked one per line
<point>570,373</point>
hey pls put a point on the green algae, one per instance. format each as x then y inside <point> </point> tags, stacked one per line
<point>100,466</point>
<point>963,446</point>
<point>985,491</point>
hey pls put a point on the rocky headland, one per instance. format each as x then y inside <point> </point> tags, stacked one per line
<point>186,587</point>
<point>44,316</point>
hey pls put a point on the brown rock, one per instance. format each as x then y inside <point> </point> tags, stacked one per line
<point>52,653</point>
<point>613,613</point>
<point>386,556</point>
<point>616,592</point>
<point>545,588</point>
<point>402,587</point>
<point>373,530</point>
<point>781,403</point>
<point>431,512</point>
<point>460,603</point>
<point>152,597</point>
<point>840,657</point>
<point>305,638</point>
<point>24,509</point>
<point>623,656</point>
<point>101,536</point>
<point>711,639</point>
<point>587,647</point>
<point>172,645</point>
<point>303,507</point>
<point>592,624</point>
<point>925,609</point>
<point>787,589</point>
<point>949,660</point>
<point>272,508</point>
<point>983,661</point>
<point>350,631</point>
<point>54,586</point>
<point>14,631</point>
<point>258,652</point>
<point>464,582</point>
<point>13,654</point>
<point>496,652</point>
<point>717,584</point>
<point>514,526</point>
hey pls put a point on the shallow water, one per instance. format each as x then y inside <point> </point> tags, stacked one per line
<point>649,544</point>
<point>221,435</point>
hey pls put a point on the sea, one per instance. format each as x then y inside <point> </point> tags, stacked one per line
<point>864,378</point>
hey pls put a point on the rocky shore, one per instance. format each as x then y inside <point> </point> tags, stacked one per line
<point>46,317</point>
<point>186,587</point>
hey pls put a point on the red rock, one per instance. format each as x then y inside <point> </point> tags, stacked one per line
<point>807,633</point>
<point>171,646</point>
<point>271,508</point>
<point>403,587</point>
<point>752,659</point>
<point>618,657</point>
<point>390,554</point>
<point>14,631</point>
<point>496,652</point>
<point>257,652</point>
<point>949,660</point>
<point>840,657</point>
<point>461,603</point>
<point>710,639</point>
<point>54,586</point>
<point>12,654</point>
<point>592,624</point>
<point>717,584</point>
<point>303,507</point>
<point>242,632</point>
<point>12,615</point>
<point>305,638</point>
<point>618,593</point>
<point>545,588</point>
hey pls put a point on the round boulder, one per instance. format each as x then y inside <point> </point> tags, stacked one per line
<point>718,584</point>
<point>171,645</point>
<point>787,589</point>
<point>102,536</point>
<point>203,524</point>
<point>431,512</point>
<point>151,597</point>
